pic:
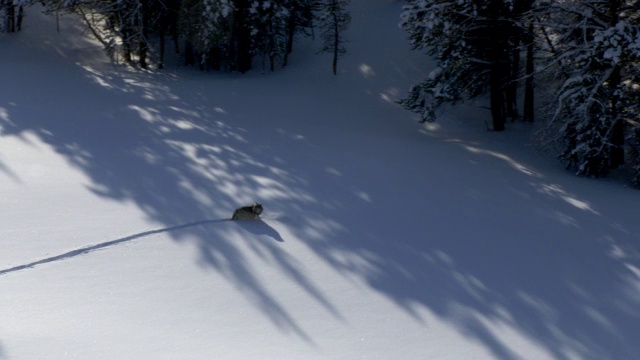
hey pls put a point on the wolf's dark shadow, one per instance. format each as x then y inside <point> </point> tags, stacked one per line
<point>259,227</point>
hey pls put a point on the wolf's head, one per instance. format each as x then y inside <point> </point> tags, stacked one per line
<point>256,208</point>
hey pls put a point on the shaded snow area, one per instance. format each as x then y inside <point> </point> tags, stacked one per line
<point>380,239</point>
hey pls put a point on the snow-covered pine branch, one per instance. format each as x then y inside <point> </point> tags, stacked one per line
<point>597,46</point>
<point>477,46</point>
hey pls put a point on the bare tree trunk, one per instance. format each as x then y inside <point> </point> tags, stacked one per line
<point>189,57</point>
<point>528,115</point>
<point>616,138</point>
<point>511,88</point>
<point>242,37</point>
<point>10,11</point>
<point>616,158</point>
<point>336,43</point>
<point>19,18</point>
<point>162,29</point>
<point>291,30</point>
<point>143,44</point>
<point>498,109</point>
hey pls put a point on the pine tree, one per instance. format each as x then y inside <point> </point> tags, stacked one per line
<point>334,20</point>
<point>472,44</point>
<point>299,20</point>
<point>268,26</point>
<point>598,47</point>
<point>211,32</point>
<point>217,34</point>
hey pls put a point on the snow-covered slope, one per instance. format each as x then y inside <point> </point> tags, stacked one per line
<point>380,239</point>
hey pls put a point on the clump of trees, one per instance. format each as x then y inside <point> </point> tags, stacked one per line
<point>597,51</point>
<point>478,46</point>
<point>587,50</point>
<point>592,49</point>
<point>12,13</point>
<point>224,35</point>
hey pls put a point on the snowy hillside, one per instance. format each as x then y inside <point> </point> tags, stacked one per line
<point>380,239</point>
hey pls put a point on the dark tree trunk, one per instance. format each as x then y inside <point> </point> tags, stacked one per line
<point>143,43</point>
<point>161,50</point>
<point>511,90</point>
<point>498,109</point>
<point>216,59</point>
<point>19,18</point>
<point>10,16</point>
<point>189,57</point>
<point>617,132</point>
<point>172,12</point>
<point>291,30</point>
<point>162,29</point>
<point>528,115</point>
<point>498,75</point>
<point>126,43</point>
<point>496,33</point>
<point>242,37</point>
<point>336,41</point>
<point>616,138</point>
<point>143,49</point>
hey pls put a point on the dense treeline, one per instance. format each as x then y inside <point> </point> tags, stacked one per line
<point>590,51</point>
<point>227,35</point>
<point>587,52</point>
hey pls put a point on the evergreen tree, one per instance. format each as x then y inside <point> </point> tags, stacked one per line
<point>437,28</point>
<point>227,34</point>
<point>334,20</point>
<point>207,27</point>
<point>598,47</point>
<point>299,20</point>
<point>268,25</point>
<point>472,41</point>
<point>217,34</point>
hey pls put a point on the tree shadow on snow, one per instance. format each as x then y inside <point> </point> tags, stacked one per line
<point>502,251</point>
<point>178,155</point>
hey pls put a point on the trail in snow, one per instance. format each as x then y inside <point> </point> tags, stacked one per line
<point>259,225</point>
<point>106,244</point>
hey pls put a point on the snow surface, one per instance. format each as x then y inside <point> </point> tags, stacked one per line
<point>380,239</point>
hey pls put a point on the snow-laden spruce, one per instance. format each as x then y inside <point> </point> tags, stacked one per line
<point>598,44</point>
<point>477,45</point>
